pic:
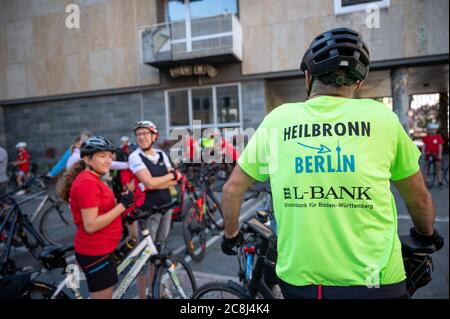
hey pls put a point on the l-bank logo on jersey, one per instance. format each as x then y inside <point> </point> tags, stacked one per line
<point>323,158</point>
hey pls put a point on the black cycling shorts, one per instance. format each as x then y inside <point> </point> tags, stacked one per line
<point>100,271</point>
<point>391,291</point>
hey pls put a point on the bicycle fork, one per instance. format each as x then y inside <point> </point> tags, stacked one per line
<point>173,275</point>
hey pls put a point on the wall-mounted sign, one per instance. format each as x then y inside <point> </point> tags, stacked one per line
<point>196,69</point>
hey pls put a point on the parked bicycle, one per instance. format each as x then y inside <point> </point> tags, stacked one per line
<point>257,259</point>
<point>254,257</point>
<point>173,277</point>
<point>17,230</point>
<point>201,212</point>
<point>430,171</point>
<point>55,222</point>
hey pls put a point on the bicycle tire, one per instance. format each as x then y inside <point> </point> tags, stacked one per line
<point>194,233</point>
<point>218,290</point>
<point>56,225</point>
<point>216,219</point>
<point>41,290</point>
<point>430,175</point>
<point>163,285</point>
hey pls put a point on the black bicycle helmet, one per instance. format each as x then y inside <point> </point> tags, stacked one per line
<point>336,49</point>
<point>96,144</point>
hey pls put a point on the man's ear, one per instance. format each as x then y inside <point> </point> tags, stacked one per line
<point>86,159</point>
<point>359,85</point>
<point>307,79</point>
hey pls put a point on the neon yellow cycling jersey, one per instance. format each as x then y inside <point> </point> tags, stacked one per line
<point>330,161</point>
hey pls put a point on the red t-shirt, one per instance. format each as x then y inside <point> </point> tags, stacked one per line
<point>126,176</point>
<point>24,155</point>
<point>432,143</point>
<point>89,191</point>
<point>190,148</point>
<point>229,151</point>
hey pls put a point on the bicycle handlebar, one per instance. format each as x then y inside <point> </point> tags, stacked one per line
<point>137,213</point>
<point>412,247</point>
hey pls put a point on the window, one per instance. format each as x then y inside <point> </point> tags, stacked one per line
<point>202,101</point>
<point>179,108</point>
<point>208,8</point>
<point>215,106</point>
<point>348,6</point>
<point>193,9</point>
<point>227,104</point>
<point>176,10</point>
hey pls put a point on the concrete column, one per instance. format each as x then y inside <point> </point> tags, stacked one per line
<point>400,95</point>
<point>443,117</point>
<point>2,129</point>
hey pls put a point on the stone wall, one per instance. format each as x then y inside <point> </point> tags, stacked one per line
<point>39,56</point>
<point>55,124</point>
<point>277,32</point>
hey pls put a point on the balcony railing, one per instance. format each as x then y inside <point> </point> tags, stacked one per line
<point>215,36</point>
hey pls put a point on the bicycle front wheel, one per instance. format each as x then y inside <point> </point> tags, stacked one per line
<point>430,179</point>
<point>429,173</point>
<point>214,211</point>
<point>194,232</point>
<point>174,280</point>
<point>218,290</point>
<point>56,225</point>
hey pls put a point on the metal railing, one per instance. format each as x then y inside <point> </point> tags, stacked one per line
<point>190,39</point>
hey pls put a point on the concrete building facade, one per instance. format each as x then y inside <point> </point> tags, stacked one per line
<point>225,62</point>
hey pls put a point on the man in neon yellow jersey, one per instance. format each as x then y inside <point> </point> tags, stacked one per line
<point>330,161</point>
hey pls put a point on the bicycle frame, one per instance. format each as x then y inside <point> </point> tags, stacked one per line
<point>15,216</point>
<point>138,257</point>
<point>185,187</point>
<point>144,250</point>
<point>41,204</point>
<point>431,164</point>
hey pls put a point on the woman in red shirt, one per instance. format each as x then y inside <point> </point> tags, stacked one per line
<point>96,215</point>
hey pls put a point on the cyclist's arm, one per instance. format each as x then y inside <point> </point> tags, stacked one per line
<point>418,201</point>
<point>116,165</point>
<point>92,222</point>
<point>232,196</point>
<point>19,162</point>
<point>151,182</point>
<point>59,167</point>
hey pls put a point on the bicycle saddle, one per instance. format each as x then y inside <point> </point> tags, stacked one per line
<point>54,256</point>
